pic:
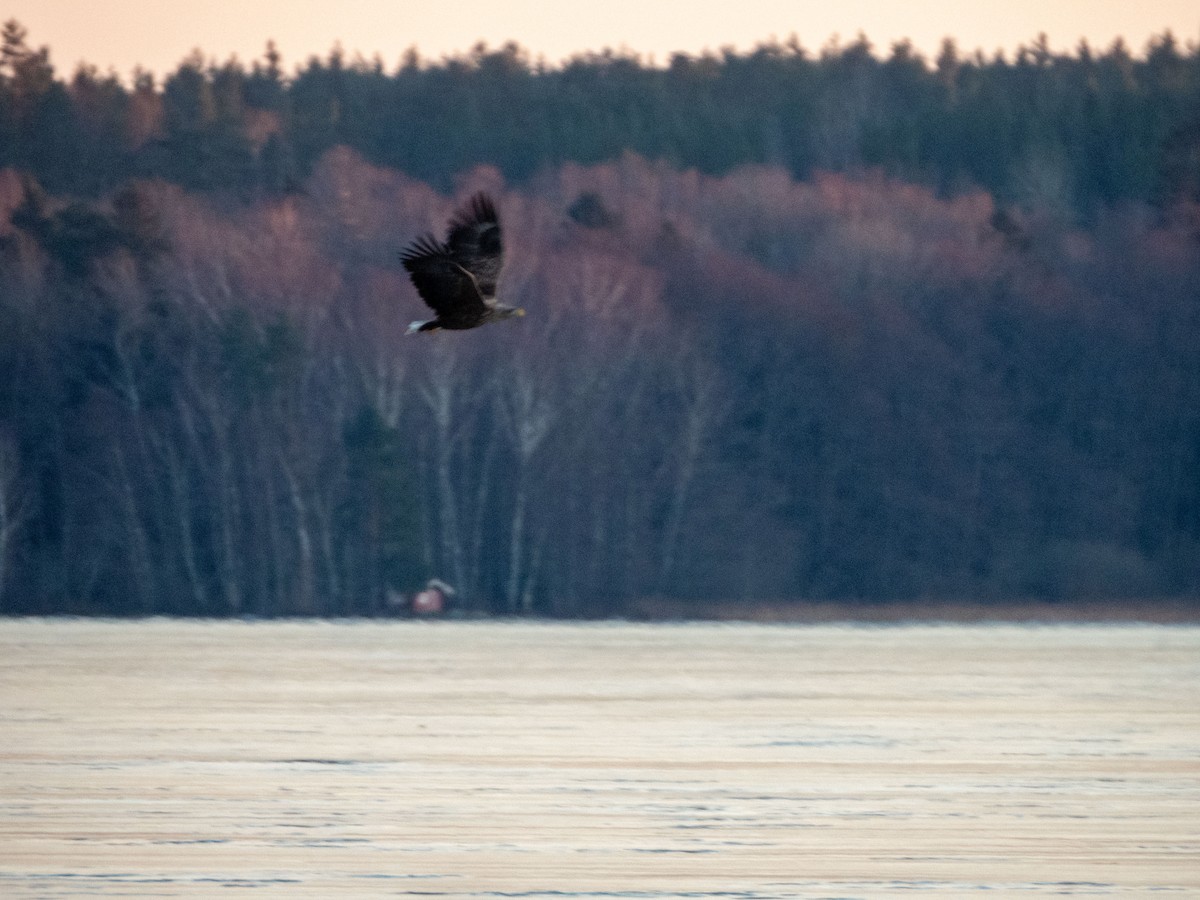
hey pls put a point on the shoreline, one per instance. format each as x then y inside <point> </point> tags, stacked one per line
<point>656,610</point>
<point>1157,612</point>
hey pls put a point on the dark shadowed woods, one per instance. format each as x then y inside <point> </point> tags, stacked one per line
<point>903,329</point>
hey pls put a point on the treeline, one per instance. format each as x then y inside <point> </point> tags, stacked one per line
<point>1080,131</point>
<point>737,387</point>
<point>834,326</point>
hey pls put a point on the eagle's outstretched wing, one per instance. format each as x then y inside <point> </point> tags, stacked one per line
<point>444,284</point>
<point>473,241</point>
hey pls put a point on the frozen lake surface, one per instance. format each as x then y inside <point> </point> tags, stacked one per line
<point>307,759</point>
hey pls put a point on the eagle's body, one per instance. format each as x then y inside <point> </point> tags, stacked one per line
<point>457,279</point>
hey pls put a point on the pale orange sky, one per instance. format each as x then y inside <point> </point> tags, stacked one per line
<point>123,33</point>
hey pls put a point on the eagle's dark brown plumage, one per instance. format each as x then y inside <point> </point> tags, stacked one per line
<point>457,279</point>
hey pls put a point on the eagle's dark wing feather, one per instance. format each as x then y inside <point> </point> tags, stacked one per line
<point>443,283</point>
<point>474,242</point>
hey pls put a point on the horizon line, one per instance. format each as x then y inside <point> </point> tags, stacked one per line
<point>834,45</point>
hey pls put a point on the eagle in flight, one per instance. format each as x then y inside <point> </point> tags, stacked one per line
<point>457,279</point>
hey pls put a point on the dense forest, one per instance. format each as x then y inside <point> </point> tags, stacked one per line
<point>1080,131</point>
<point>843,325</point>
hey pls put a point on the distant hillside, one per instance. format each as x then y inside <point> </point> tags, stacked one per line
<point>1076,131</point>
<point>831,328</point>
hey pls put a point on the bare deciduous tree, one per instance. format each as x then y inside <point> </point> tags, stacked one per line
<point>15,504</point>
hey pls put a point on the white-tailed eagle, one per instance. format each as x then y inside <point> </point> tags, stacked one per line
<point>457,279</point>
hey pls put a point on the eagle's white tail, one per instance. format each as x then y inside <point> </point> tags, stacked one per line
<point>414,327</point>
